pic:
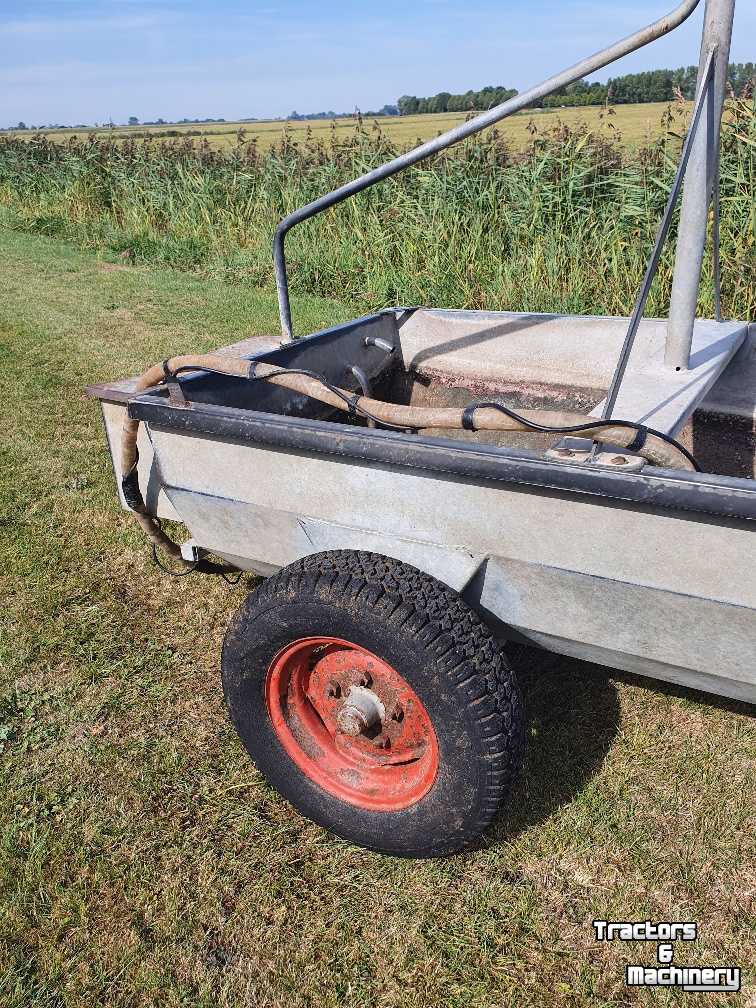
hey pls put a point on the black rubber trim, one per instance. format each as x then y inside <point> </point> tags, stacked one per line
<point>701,493</point>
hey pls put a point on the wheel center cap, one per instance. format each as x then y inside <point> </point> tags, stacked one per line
<point>362,711</point>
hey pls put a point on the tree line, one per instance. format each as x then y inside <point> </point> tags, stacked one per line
<point>649,86</point>
<point>486,98</point>
<point>386,110</point>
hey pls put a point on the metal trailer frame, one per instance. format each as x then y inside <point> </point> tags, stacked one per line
<point>610,563</point>
<point>587,560</point>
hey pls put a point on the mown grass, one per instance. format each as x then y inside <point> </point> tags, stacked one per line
<point>637,126</point>
<point>143,862</point>
<point>565,226</point>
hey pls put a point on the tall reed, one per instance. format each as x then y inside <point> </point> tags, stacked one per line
<point>566,225</point>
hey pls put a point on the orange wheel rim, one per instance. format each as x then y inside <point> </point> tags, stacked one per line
<point>351,723</point>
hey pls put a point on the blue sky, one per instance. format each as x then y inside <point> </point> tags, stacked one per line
<point>82,61</point>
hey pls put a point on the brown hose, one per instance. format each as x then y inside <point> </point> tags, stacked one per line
<point>129,455</point>
<point>655,450</point>
<point>156,374</point>
<point>427,417</point>
<point>154,532</point>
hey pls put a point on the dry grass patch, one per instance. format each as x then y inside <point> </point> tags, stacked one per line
<point>636,124</point>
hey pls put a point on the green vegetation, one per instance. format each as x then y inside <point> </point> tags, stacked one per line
<point>385,110</point>
<point>566,226</point>
<point>143,862</point>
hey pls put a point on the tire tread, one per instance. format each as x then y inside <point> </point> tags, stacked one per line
<point>462,644</point>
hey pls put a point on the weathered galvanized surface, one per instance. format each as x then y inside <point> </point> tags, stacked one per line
<point>150,483</point>
<point>701,177</point>
<point>617,571</point>
<point>734,395</point>
<point>574,352</point>
<point>632,587</point>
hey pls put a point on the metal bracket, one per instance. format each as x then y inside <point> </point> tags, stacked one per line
<point>661,237</point>
<point>382,344</point>
<point>364,382</point>
<point>579,451</point>
<point>190,551</point>
<point>176,394</point>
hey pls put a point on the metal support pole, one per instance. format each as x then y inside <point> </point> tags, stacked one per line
<point>661,237</point>
<point>699,184</point>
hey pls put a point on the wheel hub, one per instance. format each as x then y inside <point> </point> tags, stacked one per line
<point>351,723</point>
<point>362,711</point>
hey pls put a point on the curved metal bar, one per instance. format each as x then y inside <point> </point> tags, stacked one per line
<point>589,65</point>
<point>716,264</point>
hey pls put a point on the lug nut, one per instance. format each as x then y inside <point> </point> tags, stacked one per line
<point>618,460</point>
<point>334,689</point>
<point>365,679</point>
<point>398,713</point>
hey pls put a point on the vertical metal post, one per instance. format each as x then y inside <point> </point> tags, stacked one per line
<point>661,237</point>
<point>699,184</point>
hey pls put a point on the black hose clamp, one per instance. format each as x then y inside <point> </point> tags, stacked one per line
<point>468,415</point>
<point>130,489</point>
<point>641,436</point>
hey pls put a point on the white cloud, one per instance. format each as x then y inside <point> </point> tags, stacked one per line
<point>79,25</point>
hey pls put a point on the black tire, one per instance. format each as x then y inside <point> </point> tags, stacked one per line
<point>425,631</point>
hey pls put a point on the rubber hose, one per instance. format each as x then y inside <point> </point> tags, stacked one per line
<point>655,451</point>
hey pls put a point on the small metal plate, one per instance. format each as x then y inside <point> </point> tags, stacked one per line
<point>577,453</point>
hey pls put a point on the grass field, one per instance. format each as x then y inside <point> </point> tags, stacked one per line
<point>143,862</point>
<point>636,125</point>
